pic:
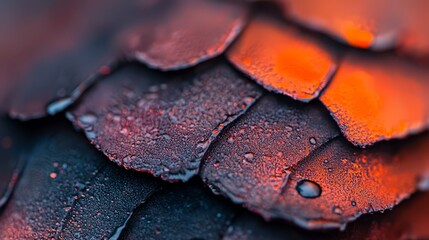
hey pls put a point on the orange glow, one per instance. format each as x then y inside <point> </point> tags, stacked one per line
<point>375,98</point>
<point>283,59</point>
<point>362,24</point>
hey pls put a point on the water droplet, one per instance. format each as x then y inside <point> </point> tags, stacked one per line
<point>249,156</point>
<point>308,189</point>
<point>329,169</point>
<point>53,175</point>
<point>353,203</point>
<point>325,161</point>
<point>217,163</point>
<point>313,141</point>
<point>337,210</point>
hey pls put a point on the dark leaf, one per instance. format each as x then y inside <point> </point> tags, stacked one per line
<point>85,48</point>
<point>161,124</point>
<point>408,221</point>
<point>69,190</point>
<point>353,181</point>
<point>247,226</point>
<point>183,211</point>
<point>283,58</point>
<point>282,161</point>
<point>250,162</point>
<point>191,32</point>
<point>104,206</point>
<point>378,97</point>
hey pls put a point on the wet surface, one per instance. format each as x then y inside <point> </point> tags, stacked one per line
<point>162,124</point>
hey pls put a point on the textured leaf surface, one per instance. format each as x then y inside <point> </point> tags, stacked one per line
<point>353,181</point>
<point>378,97</point>
<point>183,211</point>
<point>193,31</point>
<point>159,124</point>
<point>283,58</point>
<point>408,221</point>
<point>85,48</point>
<point>363,24</point>
<point>69,190</point>
<point>252,160</point>
<point>287,161</point>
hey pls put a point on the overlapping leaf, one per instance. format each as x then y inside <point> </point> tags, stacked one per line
<point>283,58</point>
<point>185,211</point>
<point>288,162</point>
<point>251,160</point>
<point>377,25</point>
<point>407,221</point>
<point>378,97</point>
<point>364,24</point>
<point>282,159</point>
<point>68,191</point>
<point>193,31</point>
<point>161,124</point>
<point>85,47</point>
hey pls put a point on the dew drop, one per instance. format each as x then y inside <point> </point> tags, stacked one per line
<point>53,175</point>
<point>308,189</point>
<point>313,141</point>
<point>325,161</point>
<point>353,203</point>
<point>337,210</point>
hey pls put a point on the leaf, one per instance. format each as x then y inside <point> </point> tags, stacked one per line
<point>284,59</point>
<point>407,221</point>
<point>250,162</point>
<point>162,124</point>
<point>86,48</point>
<point>392,100</point>
<point>105,204</point>
<point>287,161</point>
<point>362,24</point>
<point>181,211</point>
<point>192,32</point>
<point>68,190</point>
